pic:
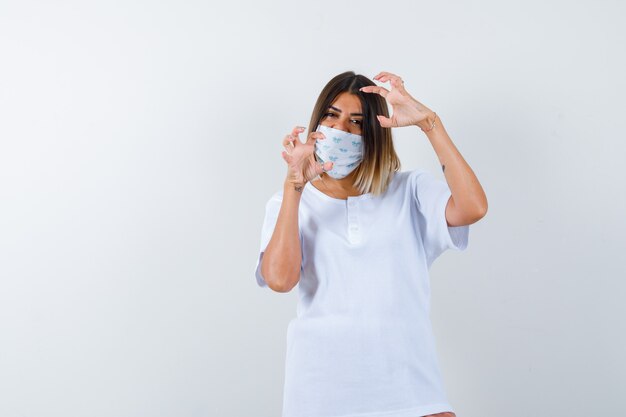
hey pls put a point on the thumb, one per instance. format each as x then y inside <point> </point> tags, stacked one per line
<point>384,121</point>
<point>326,166</point>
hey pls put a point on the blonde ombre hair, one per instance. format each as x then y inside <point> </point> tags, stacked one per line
<point>380,160</point>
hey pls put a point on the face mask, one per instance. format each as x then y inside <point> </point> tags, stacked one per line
<point>343,149</point>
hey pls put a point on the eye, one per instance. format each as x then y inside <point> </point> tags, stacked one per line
<point>357,121</point>
<point>329,114</point>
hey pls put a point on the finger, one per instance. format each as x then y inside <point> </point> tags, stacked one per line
<point>385,121</point>
<point>385,76</point>
<point>323,167</point>
<point>313,136</point>
<point>380,74</point>
<point>295,133</point>
<point>395,80</point>
<point>397,83</point>
<point>375,89</point>
<point>288,143</point>
<point>286,157</point>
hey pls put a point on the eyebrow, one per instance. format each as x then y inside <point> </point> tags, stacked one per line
<point>339,110</point>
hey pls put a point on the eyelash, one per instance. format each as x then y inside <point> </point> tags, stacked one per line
<point>358,122</point>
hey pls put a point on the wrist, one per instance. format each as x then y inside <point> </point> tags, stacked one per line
<point>426,124</point>
<point>294,186</point>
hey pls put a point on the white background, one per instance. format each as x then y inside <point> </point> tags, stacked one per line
<point>139,142</point>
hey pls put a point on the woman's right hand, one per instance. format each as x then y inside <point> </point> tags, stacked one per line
<point>300,157</point>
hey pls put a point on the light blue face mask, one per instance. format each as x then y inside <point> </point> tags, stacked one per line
<point>343,149</point>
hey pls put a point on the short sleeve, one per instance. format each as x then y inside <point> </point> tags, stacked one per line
<point>272,207</point>
<point>431,196</point>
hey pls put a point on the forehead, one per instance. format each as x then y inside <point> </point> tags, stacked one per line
<point>347,102</point>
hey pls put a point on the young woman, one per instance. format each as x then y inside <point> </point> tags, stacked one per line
<point>359,237</point>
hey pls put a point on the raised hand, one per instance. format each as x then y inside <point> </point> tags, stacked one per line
<point>406,110</point>
<point>301,164</point>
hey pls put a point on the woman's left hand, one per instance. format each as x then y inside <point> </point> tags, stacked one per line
<point>406,110</point>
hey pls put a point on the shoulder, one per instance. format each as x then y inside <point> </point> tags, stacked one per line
<point>424,186</point>
<point>421,178</point>
<point>277,196</point>
<point>274,202</point>
<point>416,173</point>
<point>410,178</point>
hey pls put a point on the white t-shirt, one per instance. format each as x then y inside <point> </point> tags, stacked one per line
<point>362,343</point>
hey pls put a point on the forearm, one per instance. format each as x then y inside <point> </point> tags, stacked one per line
<point>467,193</point>
<point>282,259</point>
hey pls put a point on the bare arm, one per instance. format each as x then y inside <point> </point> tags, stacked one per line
<point>467,203</point>
<point>282,260</point>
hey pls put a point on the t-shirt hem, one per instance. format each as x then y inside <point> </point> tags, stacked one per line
<point>257,272</point>
<point>406,412</point>
<point>458,237</point>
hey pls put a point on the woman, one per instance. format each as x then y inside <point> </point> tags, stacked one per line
<point>359,237</point>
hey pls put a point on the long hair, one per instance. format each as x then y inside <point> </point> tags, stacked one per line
<point>380,160</point>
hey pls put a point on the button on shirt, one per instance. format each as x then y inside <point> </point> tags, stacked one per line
<point>361,342</point>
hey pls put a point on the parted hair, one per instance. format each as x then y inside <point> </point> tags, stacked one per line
<point>380,160</point>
